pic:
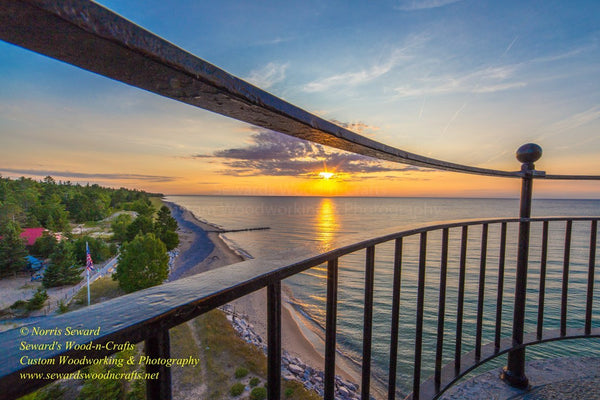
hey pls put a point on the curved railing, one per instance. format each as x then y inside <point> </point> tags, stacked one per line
<point>87,35</point>
<point>149,314</point>
<point>70,30</point>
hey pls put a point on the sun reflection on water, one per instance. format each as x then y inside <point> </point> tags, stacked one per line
<point>326,224</point>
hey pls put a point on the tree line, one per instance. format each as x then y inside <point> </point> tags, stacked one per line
<point>145,239</point>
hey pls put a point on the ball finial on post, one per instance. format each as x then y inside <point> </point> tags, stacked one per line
<point>529,153</point>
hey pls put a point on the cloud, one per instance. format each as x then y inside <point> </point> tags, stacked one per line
<point>275,41</point>
<point>348,78</point>
<point>363,76</point>
<point>571,122</point>
<point>486,80</point>
<point>412,5</point>
<point>358,127</point>
<point>274,154</point>
<point>82,175</point>
<point>499,88</point>
<point>268,75</point>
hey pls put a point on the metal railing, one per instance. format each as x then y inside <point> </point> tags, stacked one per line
<point>149,314</point>
<point>87,35</point>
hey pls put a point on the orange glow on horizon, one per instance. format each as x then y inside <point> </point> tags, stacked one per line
<point>326,175</point>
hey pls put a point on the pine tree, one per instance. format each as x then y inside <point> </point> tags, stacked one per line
<point>165,227</point>
<point>143,263</point>
<point>63,269</point>
<point>165,220</point>
<point>12,250</point>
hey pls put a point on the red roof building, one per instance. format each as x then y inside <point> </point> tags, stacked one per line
<point>32,234</point>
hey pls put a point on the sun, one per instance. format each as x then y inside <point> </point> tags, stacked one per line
<point>326,175</point>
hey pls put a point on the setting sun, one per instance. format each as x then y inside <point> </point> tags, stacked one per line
<point>326,175</point>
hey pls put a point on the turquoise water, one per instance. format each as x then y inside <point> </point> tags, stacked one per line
<point>320,223</point>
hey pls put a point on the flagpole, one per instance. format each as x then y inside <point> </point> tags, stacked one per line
<point>87,268</point>
<point>88,284</point>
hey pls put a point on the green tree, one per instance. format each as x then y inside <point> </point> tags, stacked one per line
<point>44,245</point>
<point>37,301</point>
<point>170,239</point>
<point>89,204</point>
<point>164,219</point>
<point>52,214</point>
<point>12,250</point>
<point>99,250</point>
<point>143,263</point>
<point>141,225</point>
<point>119,227</point>
<point>63,268</point>
<point>143,207</point>
<point>165,227</point>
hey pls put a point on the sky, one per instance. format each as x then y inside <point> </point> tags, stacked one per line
<point>466,81</point>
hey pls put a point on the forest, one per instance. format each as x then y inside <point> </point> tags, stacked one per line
<point>59,207</point>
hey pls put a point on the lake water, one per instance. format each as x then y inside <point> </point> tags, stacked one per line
<point>320,223</point>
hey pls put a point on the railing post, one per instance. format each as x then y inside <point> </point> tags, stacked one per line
<point>514,372</point>
<point>274,340</point>
<point>158,347</point>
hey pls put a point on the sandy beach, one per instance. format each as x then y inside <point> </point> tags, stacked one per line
<point>202,249</point>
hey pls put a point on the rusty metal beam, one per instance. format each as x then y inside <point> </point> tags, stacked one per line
<point>87,35</point>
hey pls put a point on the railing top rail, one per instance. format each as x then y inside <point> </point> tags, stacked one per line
<point>94,38</point>
<point>162,307</point>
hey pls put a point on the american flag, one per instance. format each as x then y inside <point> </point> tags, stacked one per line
<point>89,264</point>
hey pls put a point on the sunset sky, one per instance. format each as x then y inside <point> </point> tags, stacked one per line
<point>466,81</point>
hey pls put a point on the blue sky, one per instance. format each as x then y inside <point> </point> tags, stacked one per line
<point>465,81</point>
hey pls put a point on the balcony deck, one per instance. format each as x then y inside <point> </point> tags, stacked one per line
<point>562,378</point>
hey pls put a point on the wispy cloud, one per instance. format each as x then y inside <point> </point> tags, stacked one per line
<point>456,114</point>
<point>365,75</point>
<point>274,154</point>
<point>411,5</point>
<point>358,127</point>
<point>268,75</point>
<point>510,46</point>
<point>82,175</point>
<point>486,80</point>
<point>275,41</point>
<point>571,122</point>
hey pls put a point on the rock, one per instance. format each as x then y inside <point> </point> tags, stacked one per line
<point>296,369</point>
<point>289,377</point>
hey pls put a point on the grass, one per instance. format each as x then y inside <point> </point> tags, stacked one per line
<point>183,345</point>
<point>294,390</point>
<point>91,224</point>
<point>157,202</point>
<point>101,289</point>
<point>224,352</point>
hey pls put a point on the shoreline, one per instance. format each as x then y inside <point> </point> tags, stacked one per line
<point>193,246</point>
<point>200,246</point>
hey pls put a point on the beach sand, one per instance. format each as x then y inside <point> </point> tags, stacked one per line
<point>196,256</point>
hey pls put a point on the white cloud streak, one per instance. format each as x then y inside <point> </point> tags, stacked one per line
<point>412,5</point>
<point>268,75</point>
<point>487,80</point>
<point>358,77</point>
<point>572,122</point>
